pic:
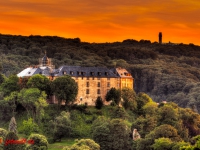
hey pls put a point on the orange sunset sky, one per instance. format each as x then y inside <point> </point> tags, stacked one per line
<point>103,20</point>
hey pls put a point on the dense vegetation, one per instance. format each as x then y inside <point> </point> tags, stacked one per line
<point>165,72</point>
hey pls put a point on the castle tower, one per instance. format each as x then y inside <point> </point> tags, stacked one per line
<point>45,62</point>
<point>160,37</point>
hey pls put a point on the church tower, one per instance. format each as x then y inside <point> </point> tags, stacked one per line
<point>160,37</point>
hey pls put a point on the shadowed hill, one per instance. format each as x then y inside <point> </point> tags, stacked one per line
<point>165,72</point>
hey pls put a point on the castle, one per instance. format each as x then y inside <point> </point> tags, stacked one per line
<point>92,81</point>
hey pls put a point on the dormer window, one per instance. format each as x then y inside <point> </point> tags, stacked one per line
<point>106,73</point>
<point>92,73</point>
<point>64,72</point>
<point>71,72</point>
<point>99,73</point>
<point>82,73</point>
<point>79,73</point>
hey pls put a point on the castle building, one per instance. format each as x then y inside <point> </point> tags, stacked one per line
<point>92,81</point>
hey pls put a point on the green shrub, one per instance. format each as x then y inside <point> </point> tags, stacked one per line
<point>39,142</point>
<point>30,127</point>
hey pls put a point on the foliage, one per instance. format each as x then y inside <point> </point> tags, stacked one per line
<point>86,144</point>
<point>60,126</point>
<point>129,98</point>
<point>10,85</point>
<point>11,101</point>
<point>65,88</point>
<point>30,127</point>
<point>41,82</point>
<point>81,123</point>
<point>11,146</point>
<point>99,103</point>
<point>34,102</point>
<point>39,142</point>
<point>113,95</point>
<point>162,143</point>
<point>142,99</point>
<point>3,133</point>
<point>111,134</point>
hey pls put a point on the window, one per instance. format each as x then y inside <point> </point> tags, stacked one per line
<point>87,91</point>
<point>87,84</point>
<point>71,72</point>
<point>92,73</point>
<point>78,72</point>
<point>64,72</point>
<point>99,73</point>
<point>98,91</point>
<point>108,84</point>
<point>106,73</point>
<point>98,84</point>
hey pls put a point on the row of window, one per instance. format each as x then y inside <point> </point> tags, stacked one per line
<point>98,84</point>
<point>88,91</point>
<point>92,78</point>
<point>80,73</point>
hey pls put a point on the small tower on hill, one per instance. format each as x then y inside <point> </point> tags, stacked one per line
<point>160,37</point>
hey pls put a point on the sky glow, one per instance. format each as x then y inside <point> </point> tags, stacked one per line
<point>103,20</point>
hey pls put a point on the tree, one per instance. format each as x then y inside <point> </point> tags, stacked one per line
<point>84,144</point>
<point>142,99</point>
<point>2,78</point>
<point>61,126</point>
<point>34,102</point>
<point>162,144</point>
<point>129,98</point>
<point>12,125</point>
<point>113,95</point>
<point>167,115</point>
<point>41,82</point>
<point>99,102</point>
<point>10,85</point>
<point>111,134</point>
<point>120,135</point>
<point>65,88</point>
<point>101,132</point>
<point>11,100</point>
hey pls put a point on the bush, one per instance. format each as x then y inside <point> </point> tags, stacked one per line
<point>30,127</point>
<point>84,144</point>
<point>3,133</point>
<point>39,142</point>
<point>8,145</point>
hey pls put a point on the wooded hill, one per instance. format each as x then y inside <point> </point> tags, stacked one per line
<point>164,71</point>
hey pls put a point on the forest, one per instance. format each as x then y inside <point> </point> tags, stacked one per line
<point>168,72</point>
<point>162,111</point>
